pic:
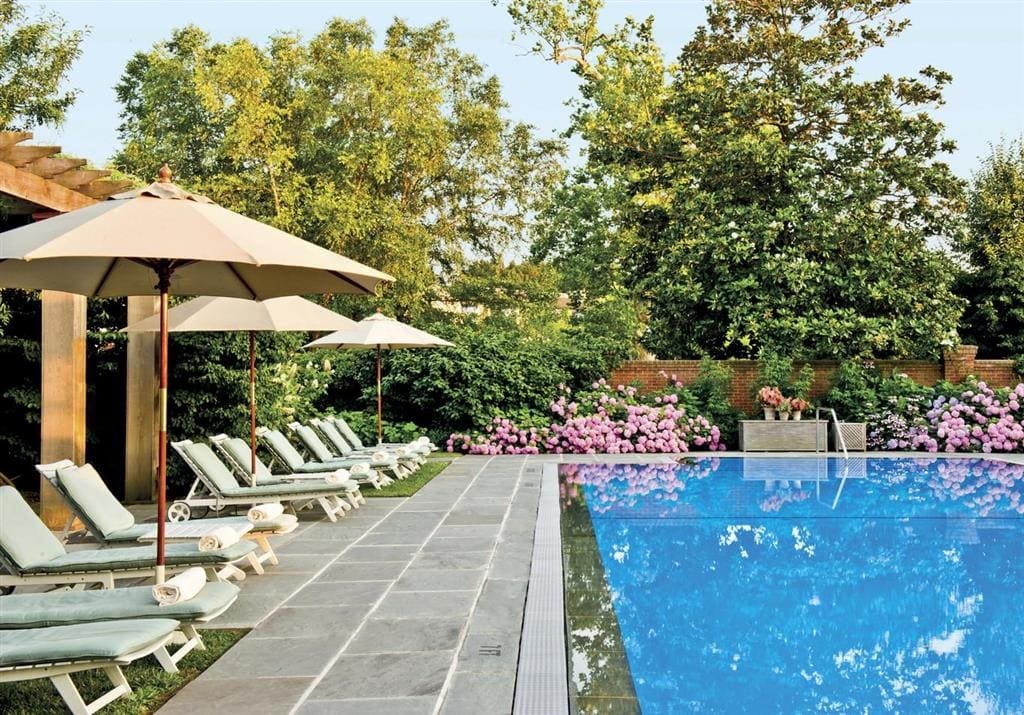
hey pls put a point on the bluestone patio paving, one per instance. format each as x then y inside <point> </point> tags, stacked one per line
<point>405,606</point>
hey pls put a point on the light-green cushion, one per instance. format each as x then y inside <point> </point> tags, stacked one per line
<point>269,491</point>
<point>132,557</point>
<point>240,453</point>
<point>347,433</point>
<point>92,497</point>
<point>313,443</point>
<point>107,640</point>
<point>59,608</point>
<point>283,449</point>
<point>334,437</point>
<point>282,523</point>
<point>25,538</point>
<point>211,466</point>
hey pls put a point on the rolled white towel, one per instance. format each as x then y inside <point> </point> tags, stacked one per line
<point>265,512</point>
<point>359,469</point>
<point>220,538</point>
<point>380,457</point>
<point>422,440</point>
<point>402,451</point>
<point>180,588</point>
<point>338,476</point>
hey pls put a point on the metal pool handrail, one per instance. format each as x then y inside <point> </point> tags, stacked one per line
<point>840,440</point>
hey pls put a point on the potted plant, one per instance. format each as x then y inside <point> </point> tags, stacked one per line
<point>769,398</point>
<point>785,408</point>
<point>798,404</point>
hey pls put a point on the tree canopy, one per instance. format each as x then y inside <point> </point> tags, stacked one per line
<point>771,199</point>
<point>35,57</point>
<point>400,157</point>
<point>993,246</point>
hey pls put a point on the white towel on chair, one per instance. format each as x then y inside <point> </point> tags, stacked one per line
<point>182,587</point>
<point>220,538</point>
<point>359,468</point>
<point>380,457</point>
<point>338,476</point>
<point>265,512</point>
<point>402,451</point>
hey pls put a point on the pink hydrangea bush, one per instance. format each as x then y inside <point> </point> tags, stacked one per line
<point>979,420</point>
<point>602,420</point>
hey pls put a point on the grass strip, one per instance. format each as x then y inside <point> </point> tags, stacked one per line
<point>411,484</point>
<point>151,685</point>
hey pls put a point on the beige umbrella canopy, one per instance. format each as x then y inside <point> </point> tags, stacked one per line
<point>161,240</point>
<point>380,332</point>
<point>212,314</point>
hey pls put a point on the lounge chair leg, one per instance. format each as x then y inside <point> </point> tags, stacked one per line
<point>107,580</point>
<point>166,660</point>
<point>228,572</point>
<point>72,698</point>
<point>268,550</point>
<point>352,499</point>
<point>254,561</point>
<point>192,634</point>
<point>328,509</point>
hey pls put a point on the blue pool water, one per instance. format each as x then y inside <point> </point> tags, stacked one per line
<point>763,585</point>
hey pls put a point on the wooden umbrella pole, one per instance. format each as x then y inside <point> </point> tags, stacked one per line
<point>252,403</point>
<point>164,285</point>
<point>380,404</point>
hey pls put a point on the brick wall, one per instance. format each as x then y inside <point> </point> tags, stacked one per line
<point>955,366</point>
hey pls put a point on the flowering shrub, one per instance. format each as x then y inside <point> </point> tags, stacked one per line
<point>980,420</point>
<point>602,420</point>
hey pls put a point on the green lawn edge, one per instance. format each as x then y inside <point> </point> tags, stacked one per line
<point>413,483</point>
<point>151,685</point>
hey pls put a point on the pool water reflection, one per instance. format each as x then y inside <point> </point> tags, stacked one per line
<point>776,585</point>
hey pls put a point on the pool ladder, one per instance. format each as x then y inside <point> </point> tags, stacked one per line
<point>840,444</point>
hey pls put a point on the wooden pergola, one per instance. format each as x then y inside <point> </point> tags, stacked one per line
<point>36,182</point>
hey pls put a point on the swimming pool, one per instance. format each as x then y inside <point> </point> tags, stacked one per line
<point>764,584</point>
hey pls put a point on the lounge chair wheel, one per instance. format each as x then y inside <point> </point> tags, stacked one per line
<point>218,508</point>
<point>179,511</point>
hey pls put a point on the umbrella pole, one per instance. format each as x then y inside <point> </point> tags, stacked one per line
<point>380,405</point>
<point>161,486</point>
<point>252,404</point>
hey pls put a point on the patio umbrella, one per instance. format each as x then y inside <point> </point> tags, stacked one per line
<point>163,239</point>
<point>212,314</point>
<point>380,332</point>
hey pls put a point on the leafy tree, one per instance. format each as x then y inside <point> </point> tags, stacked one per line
<point>993,245</point>
<point>400,157</point>
<point>771,199</point>
<point>35,57</point>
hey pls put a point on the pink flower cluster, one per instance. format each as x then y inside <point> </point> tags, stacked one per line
<point>624,485</point>
<point>502,436</point>
<point>992,486</point>
<point>606,421</point>
<point>978,421</point>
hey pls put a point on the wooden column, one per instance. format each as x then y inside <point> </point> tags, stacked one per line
<point>141,410</point>
<point>62,408</point>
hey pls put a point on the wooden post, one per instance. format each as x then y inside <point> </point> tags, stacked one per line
<point>62,404</point>
<point>140,443</point>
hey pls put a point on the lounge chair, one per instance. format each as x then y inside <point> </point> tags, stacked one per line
<point>31,554</point>
<point>57,651</point>
<point>62,608</point>
<point>239,457</point>
<point>111,524</point>
<point>352,438</point>
<point>216,486</point>
<point>289,458</point>
<point>321,454</point>
<point>409,458</point>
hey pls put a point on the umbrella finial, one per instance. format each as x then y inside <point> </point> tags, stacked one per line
<point>165,174</point>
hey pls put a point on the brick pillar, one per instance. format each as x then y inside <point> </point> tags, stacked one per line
<point>958,363</point>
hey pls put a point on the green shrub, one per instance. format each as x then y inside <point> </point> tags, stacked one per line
<point>364,424</point>
<point>711,396</point>
<point>854,391</point>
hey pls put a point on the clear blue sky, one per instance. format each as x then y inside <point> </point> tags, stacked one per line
<point>981,42</point>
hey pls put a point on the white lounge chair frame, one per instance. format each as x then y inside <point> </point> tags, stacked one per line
<point>60,675</point>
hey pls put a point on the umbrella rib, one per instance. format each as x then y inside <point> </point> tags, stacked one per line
<point>252,293</point>
<point>106,275</point>
<point>342,276</point>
